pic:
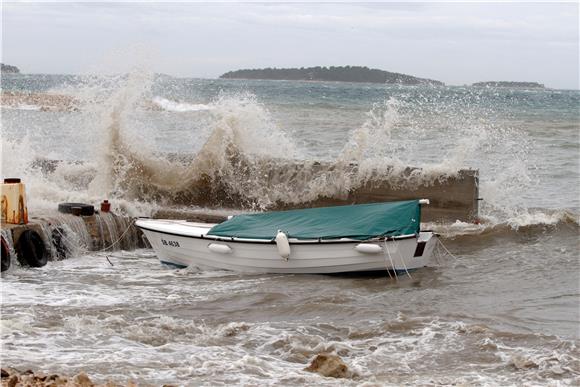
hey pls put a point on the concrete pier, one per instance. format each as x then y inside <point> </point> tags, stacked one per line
<point>63,234</point>
<point>451,198</point>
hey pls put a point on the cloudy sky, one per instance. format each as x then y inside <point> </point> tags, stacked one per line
<point>457,43</point>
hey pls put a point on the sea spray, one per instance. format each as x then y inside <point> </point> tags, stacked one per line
<point>179,107</point>
<point>237,153</point>
<point>504,313</point>
<point>115,150</point>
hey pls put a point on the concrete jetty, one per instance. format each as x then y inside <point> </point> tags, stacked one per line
<point>58,236</point>
<point>452,198</point>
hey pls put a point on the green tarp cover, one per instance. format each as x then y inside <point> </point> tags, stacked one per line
<point>360,221</point>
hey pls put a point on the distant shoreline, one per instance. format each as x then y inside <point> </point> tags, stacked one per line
<point>394,78</point>
<point>357,74</point>
<point>8,69</point>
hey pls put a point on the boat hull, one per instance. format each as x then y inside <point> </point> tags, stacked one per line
<point>181,247</point>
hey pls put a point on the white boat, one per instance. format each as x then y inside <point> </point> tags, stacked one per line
<point>365,237</point>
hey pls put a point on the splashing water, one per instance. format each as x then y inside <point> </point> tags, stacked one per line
<point>238,151</point>
<point>504,312</point>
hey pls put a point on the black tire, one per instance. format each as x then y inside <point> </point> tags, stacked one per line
<point>5,256</point>
<point>31,250</point>
<point>86,209</point>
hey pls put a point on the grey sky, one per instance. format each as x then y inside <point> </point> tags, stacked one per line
<point>456,43</point>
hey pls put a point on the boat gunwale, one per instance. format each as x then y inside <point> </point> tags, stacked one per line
<point>272,241</point>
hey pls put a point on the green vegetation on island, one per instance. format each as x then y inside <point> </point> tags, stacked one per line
<point>332,74</point>
<point>525,85</point>
<point>9,69</point>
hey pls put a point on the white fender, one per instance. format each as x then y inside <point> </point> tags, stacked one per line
<point>219,248</point>
<point>283,245</point>
<point>368,248</point>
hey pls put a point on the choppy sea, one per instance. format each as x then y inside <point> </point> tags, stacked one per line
<point>503,309</point>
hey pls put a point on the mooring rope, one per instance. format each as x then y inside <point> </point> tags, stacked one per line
<point>86,250</point>
<point>387,263</point>
<point>118,239</point>
<point>446,250</point>
<point>391,259</point>
<point>402,259</point>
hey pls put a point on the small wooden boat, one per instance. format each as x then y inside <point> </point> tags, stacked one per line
<point>363,237</point>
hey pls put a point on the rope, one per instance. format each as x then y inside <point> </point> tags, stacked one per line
<point>118,239</point>
<point>387,263</point>
<point>446,250</point>
<point>402,260</point>
<point>438,254</point>
<point>391,258</point>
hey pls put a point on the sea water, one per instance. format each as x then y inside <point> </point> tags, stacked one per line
<point>503,309</point>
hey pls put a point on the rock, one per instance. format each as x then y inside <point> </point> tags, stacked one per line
<point>53,377</point>
<point>522,362</point>
<point>329,365</point>
<point>58,382</point>
<point>82,380</point>
<point>40,378</point>
<point>13,381</point>
<point>4,373</point>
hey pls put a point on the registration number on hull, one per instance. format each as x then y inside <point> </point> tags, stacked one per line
<point>169,243</point>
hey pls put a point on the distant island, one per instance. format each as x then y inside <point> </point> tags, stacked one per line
<point>526,85</point>
<point>9,69</point>
<point>332,74</point>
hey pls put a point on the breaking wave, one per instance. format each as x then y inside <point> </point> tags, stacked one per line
<point>241,158</point>
<point>22,107</point>
<point>179,107</point>
<point>529,222</point>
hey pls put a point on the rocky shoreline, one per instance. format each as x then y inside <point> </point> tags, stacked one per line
<point>50,102</point>
<point>39,101</point>
<point>325,364</point>
<point>12,377</point>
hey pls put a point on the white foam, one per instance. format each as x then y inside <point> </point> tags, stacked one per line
<point>22,107</point>
<point>179,107</point>
<point>176,326</point>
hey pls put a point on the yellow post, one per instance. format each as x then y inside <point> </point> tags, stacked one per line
<point>14,208</point>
